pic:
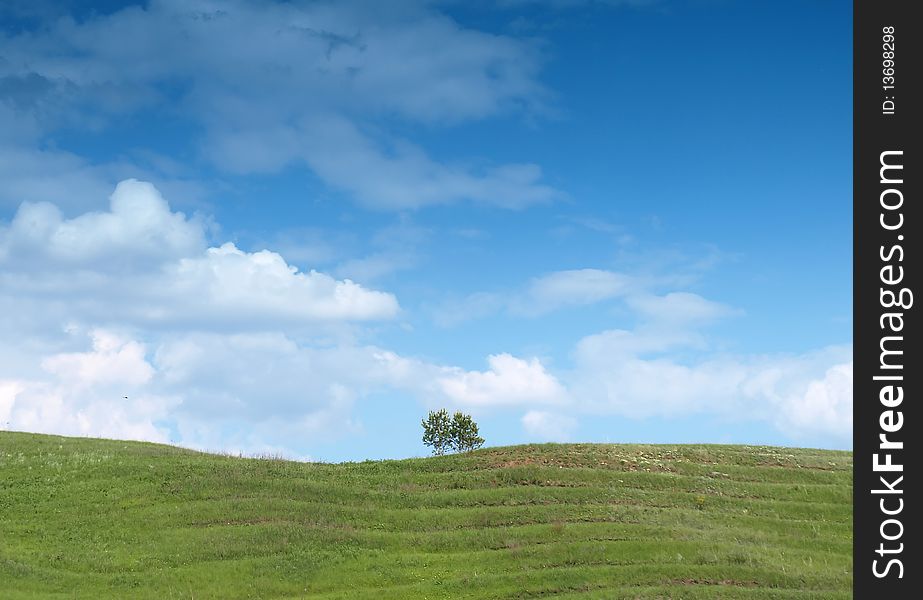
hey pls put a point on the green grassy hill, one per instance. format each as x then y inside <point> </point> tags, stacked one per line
<point>85,518</point>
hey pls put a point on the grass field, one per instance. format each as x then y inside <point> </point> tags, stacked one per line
<point>85,518</point>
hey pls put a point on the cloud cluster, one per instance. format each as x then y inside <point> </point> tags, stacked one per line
<point>638,374</point>
<point>133,327</point>
<point>219,348</point>
<point>272,84</point>
<point>575,288</point>
<point>662,367</point>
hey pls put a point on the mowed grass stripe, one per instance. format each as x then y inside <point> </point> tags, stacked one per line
<point>612,578</point>
<point>793,499</point>
<point>386,581</point>
<point>230,544</point>
<point>203,513</point>
<point>490,538</point>
<point>699,591</point>
<point>100,518</point>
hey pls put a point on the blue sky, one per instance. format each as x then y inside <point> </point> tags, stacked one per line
<point>296,227</point>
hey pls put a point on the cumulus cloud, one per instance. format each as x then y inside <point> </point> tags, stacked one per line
<point>84,393</point>
<point>640,374</point>
<point>113,361</point>
<point>143,264</point>
<point>328,78</point>
<point>824,407</point>
<point>229,281</point>
<point>139,225</point>
<point>548,426</point>
<point>509,381</point>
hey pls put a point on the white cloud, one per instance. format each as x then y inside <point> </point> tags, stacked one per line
<point>825,406</point>
<point>113,361</point>
<point>640,374</point>
<point>510,381</point>
<point>138,225</point>
<point>83,393</point>
<point>669,316</point>
<point>228,281</point>
<point>405,177</point>
<point>260,376</point>
<point>142,264</point>
<point>9,389</point>
<point>544,294</point>
<point>560,290</point>
<point>680,307</point>
<point>547,426</point>
<point>621,344</point>
<point>572,288</point>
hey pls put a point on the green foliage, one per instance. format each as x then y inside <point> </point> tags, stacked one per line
<point>463,432</point>
<point>460,433</point>
<point>85,518</point>
<point>437,431</point>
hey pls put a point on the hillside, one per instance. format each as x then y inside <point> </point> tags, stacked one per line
<point>86,518</point>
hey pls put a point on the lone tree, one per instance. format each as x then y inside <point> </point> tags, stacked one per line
<point>460,433</point>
